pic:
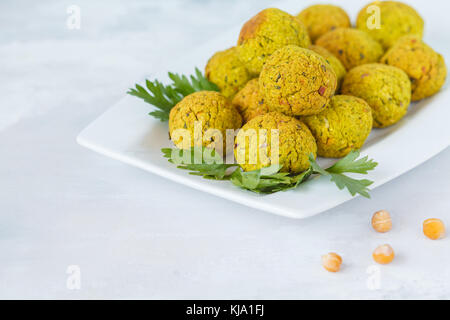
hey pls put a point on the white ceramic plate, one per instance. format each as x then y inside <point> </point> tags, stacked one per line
<point>126,133</point>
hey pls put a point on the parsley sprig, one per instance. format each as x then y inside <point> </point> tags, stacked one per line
<point>270,180</point>
<point>165,97</point>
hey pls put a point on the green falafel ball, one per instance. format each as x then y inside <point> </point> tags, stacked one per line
<point>334,62</point>
<point>351,46</point>
<point>287,138</point>
<point>342,127</point>
<point>322,18</point>
<point>262,35</point>
<point>297,82</point>
<point>386,89</point>
<point>208,109</point>
<point>249,101</point>
<point>396,19</point>
<point>425,67</point>
<point>226,71</point>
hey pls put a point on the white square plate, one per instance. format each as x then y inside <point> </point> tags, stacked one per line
<point>126,133</point>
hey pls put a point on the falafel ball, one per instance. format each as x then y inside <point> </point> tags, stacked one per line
<point>249,101</point>
<point>322,18</point>
<point>212,109</point>
<point>425,67</point>
<point>266,32</point>
<point>225,70</point>
<point>396,20</point>
<point>297,82</point>
<point>386,89</point>
<point>334,62</point>
<point>351,46</point>
<point>342,127</point>
<point>295,143</point>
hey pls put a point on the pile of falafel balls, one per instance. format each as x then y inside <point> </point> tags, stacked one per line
<point>321,82</point>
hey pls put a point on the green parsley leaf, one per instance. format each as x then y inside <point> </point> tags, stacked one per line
<point>315,166</point>
<point>354,186</point>
<point>351,164</point>
<point>210,166</point>
<point>270,179</point>
<point>246,180</point>
<point>348,164</point>
<point>167,152</point>
<point>165,97</point>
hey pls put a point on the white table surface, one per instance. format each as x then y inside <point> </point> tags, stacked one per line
<point>131,233</point>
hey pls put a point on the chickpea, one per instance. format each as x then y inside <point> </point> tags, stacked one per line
<point>332,262</point>
<point>381,221</point>
<point>383,254</point>
<point>434,229</point>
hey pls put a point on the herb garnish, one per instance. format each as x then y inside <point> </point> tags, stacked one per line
<point>270,180</point>
<point>165,97</point>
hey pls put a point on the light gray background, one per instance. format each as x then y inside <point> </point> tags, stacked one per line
<point>136,235</point>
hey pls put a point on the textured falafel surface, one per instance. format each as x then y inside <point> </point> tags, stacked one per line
<point>385,88</point>
<point>262,35</point>
<point>295,143</point>
<point>425,67</point>
<point>397,19</point>
<point>351,46</point>
<point>342,127</point>
<point>297,81</point>
<point>249,101</point>
<point>212,109</point>
<point>322,18</point>
<point>334,62</point>
<point>225,70</point>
